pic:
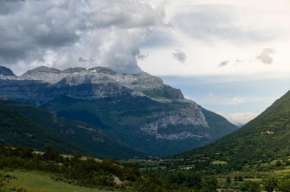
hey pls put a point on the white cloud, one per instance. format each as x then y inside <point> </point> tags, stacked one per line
<point>266,56</point>
<point>234,101</point>
<point>212,99</point>
<point>239,118</point>
<point>213,31</point>
<point>237,100</point>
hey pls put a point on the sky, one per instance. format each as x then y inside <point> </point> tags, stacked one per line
<point>231,57</point>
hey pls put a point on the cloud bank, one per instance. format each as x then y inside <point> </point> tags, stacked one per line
<point>66,33</point>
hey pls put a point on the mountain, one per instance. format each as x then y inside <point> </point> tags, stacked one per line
<point>137,109</point>
<point>80,134</point>
<point>6,71</point>
<point>264,139</point>
<point>19,130</point>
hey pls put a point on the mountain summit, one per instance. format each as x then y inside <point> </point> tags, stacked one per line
<point>4,71</point>
<point>137,109</point>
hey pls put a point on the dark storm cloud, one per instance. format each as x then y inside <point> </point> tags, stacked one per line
<point>127,14</point>
<point>141,57</point>
<point>107,34</point>
<point>38,26</point>
<point>10,6</point>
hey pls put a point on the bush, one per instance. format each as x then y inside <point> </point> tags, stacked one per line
<point>270,183</point>
<point>250,186</point>
<point>278,164</point>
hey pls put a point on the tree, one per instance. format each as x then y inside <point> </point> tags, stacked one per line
<point>254,187</point>
<point>229,181</point>
<point>270,183</point>
<point>278,164</point>
<point>51,154</point>
<point>250,186</point>
<point>150,183</point>
<point>284,185</point>
<point>210,185</point>
<point>185,178</point>
<point>193,180</point>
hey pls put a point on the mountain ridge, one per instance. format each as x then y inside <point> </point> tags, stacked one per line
<point>138,109</point>
<point>4,71</point>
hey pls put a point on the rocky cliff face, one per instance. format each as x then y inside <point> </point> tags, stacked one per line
<point>135,108</point>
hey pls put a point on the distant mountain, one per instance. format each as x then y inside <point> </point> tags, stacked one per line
<point>6,71</point>
<point>137,109</point>
<point>264,139</point>
<point>80,134</point>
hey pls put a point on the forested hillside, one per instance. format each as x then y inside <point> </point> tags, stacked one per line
<point>262,140</point>
<point>80,134</point>
<point>20,130</point>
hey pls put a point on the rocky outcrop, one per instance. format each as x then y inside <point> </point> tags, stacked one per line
<point>142,84</point>
<point>190,115</point>
<point>74,70</point>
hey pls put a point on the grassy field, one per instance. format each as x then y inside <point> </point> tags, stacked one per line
<point>40,182</point>
<point>219,162</point>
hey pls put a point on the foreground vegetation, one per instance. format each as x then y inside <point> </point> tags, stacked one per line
<point>274,176</point>
<point>79,170</point>
<point>26,170</point>
<point>21,180</point>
